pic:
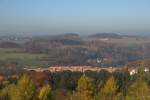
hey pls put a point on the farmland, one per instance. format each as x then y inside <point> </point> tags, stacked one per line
<point>130,41</point>
<point>20,57</point>
<point>100,50</point>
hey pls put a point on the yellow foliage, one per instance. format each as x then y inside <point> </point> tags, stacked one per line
<point>84,89</point>
<point>108,92</point>
<point>45,93</point>
<point>139,90</point>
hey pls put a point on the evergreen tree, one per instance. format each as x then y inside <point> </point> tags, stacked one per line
<point>45,93</point>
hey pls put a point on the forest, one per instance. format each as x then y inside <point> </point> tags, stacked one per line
<point>67,85</point>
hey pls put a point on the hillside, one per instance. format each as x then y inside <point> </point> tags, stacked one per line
<point>106,35</point>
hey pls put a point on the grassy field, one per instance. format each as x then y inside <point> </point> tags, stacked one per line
<point>7,50</point>
<point>22,58</point>
<point>129,41</point>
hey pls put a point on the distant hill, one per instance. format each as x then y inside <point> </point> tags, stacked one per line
<point>68,39</point>
<point>106,35</point>
<point>67,36</point>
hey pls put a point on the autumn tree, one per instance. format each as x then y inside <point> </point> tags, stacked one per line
<point>84,90</point>
<point>45,93</point>
<point>9,93</point>
<point>139,90</point>
<point>108,92</point>
<point>23,90</point>
<point>26,88</point>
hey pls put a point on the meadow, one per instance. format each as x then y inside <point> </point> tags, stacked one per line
<point>20,57</point>
<point>129,41</point>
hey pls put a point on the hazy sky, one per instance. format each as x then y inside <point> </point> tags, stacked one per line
<point>80,16</point>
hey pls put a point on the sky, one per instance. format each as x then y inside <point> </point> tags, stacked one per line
<point>75,16</point>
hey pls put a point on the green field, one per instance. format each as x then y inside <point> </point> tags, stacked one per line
<point>20,57</point>
<point>6,50</point>
<point>129,41</point>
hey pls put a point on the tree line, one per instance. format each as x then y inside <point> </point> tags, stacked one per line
<point>80,86</point>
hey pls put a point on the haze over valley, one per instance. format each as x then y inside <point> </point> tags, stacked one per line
<point>74,49</point>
